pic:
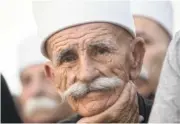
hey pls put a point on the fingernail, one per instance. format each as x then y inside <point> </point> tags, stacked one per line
<point>141,118</point>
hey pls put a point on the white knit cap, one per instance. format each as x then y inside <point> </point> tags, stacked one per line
<point>55,15</point>
<point>159,11</point>
<point>29,53</point>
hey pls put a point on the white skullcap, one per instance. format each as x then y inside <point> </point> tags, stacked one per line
<point>159,11</point>
<point>54,15</point>
<point>29,53</point>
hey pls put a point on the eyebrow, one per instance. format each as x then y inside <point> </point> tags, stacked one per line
<point>97,43</point>
<point>102,43</point>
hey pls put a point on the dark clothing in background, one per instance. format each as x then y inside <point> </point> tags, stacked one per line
<point>145,106</point>
<point>9,113</point>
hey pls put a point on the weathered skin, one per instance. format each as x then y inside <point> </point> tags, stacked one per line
<point>36,84</point>
<point>90,51</point>
<point>156,42</point>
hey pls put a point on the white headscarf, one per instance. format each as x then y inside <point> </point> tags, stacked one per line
<point>167,101</point>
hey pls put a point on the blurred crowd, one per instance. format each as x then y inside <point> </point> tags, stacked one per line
<point>97,62</point>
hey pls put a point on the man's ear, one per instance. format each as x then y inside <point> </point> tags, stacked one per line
<point>136,57</point>
<point>49,71</point>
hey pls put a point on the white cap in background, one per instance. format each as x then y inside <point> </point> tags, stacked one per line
<point>159,11</point>
<point>29,53</point>
<point>55,15</point>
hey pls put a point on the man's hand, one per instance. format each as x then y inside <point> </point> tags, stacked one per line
<point>124,110</point>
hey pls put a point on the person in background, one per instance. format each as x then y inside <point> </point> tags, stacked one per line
<point>166,107</point>
<point>154,23</point>
<point>39,99</point>
<point>95,56</point>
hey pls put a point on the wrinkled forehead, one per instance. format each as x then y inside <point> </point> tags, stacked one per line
<point>85,34</point>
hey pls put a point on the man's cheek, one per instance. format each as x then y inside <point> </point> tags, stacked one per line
<point>118,69</point>
<point>104,70</point>
<point>61,79</point>
<point>71,76</point>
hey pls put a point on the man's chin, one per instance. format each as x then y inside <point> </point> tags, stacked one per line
<point>96,102</point>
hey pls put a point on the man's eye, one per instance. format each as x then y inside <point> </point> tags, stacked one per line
<point>69,58</point>
<point>102,51</point>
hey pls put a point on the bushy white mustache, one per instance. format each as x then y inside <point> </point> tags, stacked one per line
<point>34,104</point>
<point>80,89</point>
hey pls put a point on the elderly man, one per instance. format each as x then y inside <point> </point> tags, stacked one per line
<point>153,22</point>
<point>95,56</point>
<point>40,102</point>
<point>166,107</point>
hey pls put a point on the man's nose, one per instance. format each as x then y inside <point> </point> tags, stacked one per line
<point>87,72</point>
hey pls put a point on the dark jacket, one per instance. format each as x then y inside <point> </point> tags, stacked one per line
<point>144,110</point>
<point>9,113</point>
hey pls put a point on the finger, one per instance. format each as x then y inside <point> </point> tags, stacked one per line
<point>132,113</point>
<point>120,108</point>
<point>125,95</point>
<point>131,108</point>
<point>135,114</point>
<point>135,104</point>
<point>133,96</point>
<point>106,72</point>
<point>136,117</point>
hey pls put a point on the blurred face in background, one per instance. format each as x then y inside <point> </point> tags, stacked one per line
<point>40,102</point>
<point>156,42</point>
